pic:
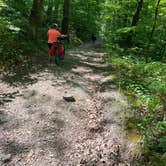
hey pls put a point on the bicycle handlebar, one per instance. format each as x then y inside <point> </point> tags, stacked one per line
<point>62,38</point>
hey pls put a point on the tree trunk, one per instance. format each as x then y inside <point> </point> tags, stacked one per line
<point>162,49</point>
<point>152,32</point>
<point>35,17</point>
<point>49,10</point>
<point>135,20</point>
<point>65,21</point>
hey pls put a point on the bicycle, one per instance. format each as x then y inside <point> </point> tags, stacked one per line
<point>57,51</point>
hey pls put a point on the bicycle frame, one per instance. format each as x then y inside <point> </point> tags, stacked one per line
<point>59,51</point>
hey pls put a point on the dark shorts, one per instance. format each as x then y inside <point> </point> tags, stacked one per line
<point>49,45</point>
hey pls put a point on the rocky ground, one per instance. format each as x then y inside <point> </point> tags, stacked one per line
<point>38,127</point>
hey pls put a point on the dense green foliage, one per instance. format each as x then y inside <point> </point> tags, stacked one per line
<point>135,36</point>
<point>14,41</point>
<point>145,86</point>
<point>117,23</point>
<point>144,83</point>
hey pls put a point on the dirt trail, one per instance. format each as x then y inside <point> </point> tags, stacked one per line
<point>39,128</point>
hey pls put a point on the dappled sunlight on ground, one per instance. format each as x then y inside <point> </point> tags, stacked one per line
<point>40,128</point>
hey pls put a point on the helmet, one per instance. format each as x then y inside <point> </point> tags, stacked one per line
<point>55,25</point>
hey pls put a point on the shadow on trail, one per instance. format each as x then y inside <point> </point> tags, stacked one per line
<point>22,73</point>
<point>15,148</point>
<point>7,97</point>
<point>3,118</point>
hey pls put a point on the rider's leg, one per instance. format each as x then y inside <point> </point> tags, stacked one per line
<point>50,57</point>
<point>56,57</point>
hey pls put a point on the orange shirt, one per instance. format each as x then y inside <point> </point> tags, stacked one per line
<point>53,34</point>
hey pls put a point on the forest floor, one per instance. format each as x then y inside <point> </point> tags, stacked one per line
<point>39,128</point>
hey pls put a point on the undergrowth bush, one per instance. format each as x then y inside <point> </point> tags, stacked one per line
<point>15,42</point>
<point>12,44</point>
<point>145,86</point>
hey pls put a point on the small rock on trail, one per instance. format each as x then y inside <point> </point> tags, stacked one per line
<point>68,97</point>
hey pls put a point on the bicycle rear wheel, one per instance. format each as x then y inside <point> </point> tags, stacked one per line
<point>57,60</point>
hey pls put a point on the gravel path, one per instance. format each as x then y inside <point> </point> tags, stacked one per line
<point>39,128</point>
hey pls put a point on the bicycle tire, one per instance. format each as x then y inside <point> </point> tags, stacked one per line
<point>56,58</point>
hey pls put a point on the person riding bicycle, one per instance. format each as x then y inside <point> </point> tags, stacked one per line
<point>53,34</point>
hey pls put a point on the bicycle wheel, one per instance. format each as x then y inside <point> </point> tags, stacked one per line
<point>56,58</point>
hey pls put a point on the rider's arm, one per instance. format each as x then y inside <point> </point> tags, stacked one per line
<point>62,35</point>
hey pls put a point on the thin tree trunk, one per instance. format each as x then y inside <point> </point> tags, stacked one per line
<point>35,16</point>
<point>135,20</point>
<point>57,11</point>
<point>162,49</point>
<point>152,31</point>
<point>49,11</point>
<point>164,109</point>
<point>65,21</point>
